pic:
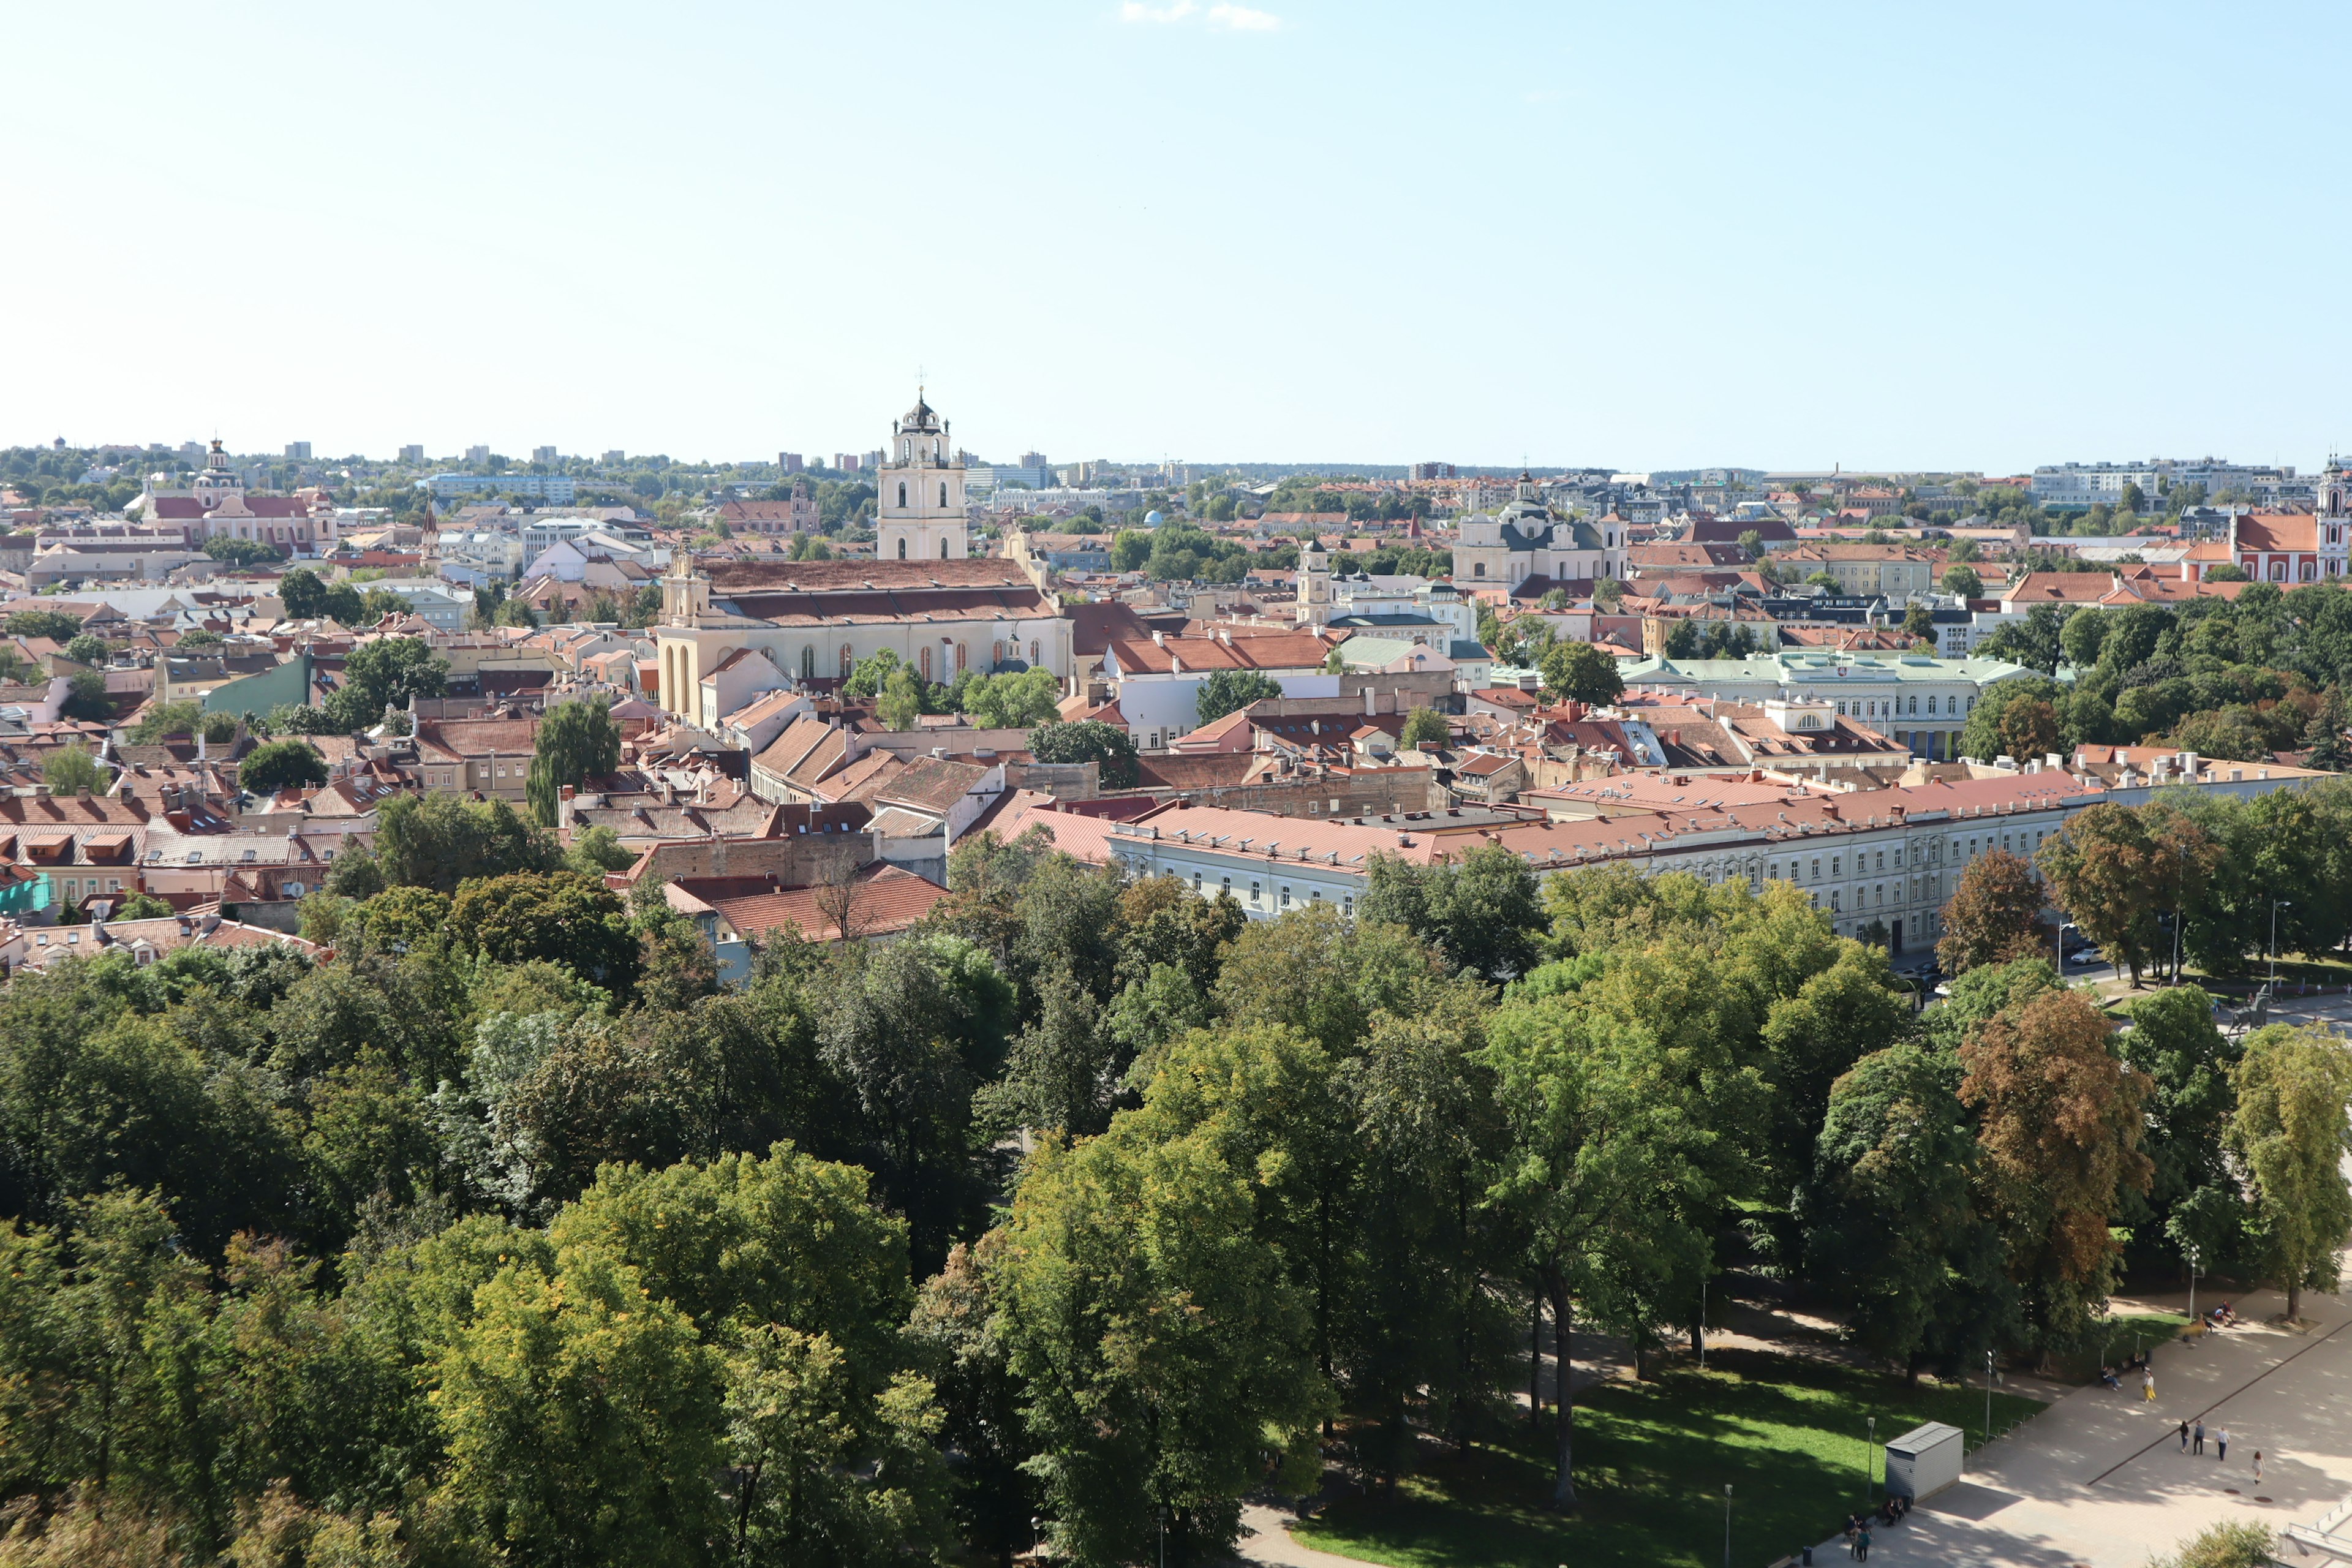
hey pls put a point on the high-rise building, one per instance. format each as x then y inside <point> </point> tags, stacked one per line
<point>615,458</point>
<point>412,453</point>
<point>1433,472</point>
<point>300,451</point>
<point>1033,459</point>
<point>476,455</point>
<point>789,461</point>
<point>543,455</point>
<point>845,462</point>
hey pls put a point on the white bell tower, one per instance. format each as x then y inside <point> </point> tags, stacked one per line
<point>918,496</point>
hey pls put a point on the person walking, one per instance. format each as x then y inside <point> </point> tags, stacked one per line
<point>2199,1446</point>
<point>2258,1467</point>
<point>1852,1534</point>
<point>2184,1436</point>
<point>1862,1545</point>
<point>2148,1385</point>
<point>2222,1444</point>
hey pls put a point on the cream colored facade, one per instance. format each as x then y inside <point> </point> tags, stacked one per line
<point>918,495</point>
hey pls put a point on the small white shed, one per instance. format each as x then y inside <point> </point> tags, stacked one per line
<point>1924,1460</point>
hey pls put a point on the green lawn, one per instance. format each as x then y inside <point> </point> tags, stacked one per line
<point>1652,1462</point>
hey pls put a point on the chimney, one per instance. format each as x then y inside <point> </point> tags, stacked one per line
<point>204,747</point>
<point>1159,639</point>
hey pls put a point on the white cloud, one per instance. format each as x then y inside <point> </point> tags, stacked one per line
<point>1242,18</point>
<point>1136,11</point>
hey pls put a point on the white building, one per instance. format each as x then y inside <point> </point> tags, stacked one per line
<point>1921,701</point>
<point>1526,538</point>
<point>918,495</point>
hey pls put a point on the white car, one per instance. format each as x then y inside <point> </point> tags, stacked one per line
<point>2089,955</point>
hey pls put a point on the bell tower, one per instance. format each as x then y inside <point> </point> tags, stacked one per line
<point>918,495</point>
<point>1314,585</point>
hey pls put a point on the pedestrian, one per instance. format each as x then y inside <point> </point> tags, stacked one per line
<point>2184,1436</point>
<point>2222,1444</point>
<point>2200,1447</point>
<point>2258,1467</point>
<point>2148,1386</point>
<point>1862,1545</point>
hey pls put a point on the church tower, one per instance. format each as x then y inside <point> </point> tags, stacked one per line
<point>919,494</point>
<point>1314,585</point>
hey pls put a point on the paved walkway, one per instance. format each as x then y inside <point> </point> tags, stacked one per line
<point>2098,1480</point>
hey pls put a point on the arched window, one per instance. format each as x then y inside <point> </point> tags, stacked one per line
<point>902,492</point>
<point>902,550</point>
<point>847,660</point>
<point>943,495</point>
<point>926,657</point>
<point>1479,570</point>
<point>808,661</point>
<point>943,549</point>
<point>959,658</point>
<point>1033,654</point>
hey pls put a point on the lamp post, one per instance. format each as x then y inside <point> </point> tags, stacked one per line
<point>2277,904</point>
<point>1702,1322</point>
<point>1869,1457</point>
<point>1726,1525</point>
<point>1988,1428</point>
<point>2192,1282</point>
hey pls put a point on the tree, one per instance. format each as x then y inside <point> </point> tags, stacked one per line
<point>392,670</point>
<point>300,718</point>
<point>575,741</point>
<point>241,552</point>
<point>71,769</point>
<point>1963,582</point>
<point>901,701</point>
<point>1582,673</point>
<point>1609,1162</point>
<point>1982,737</point>
<point>2188,1063</point>
<point>87,649</point>
<point>1014,700</point>
<point>1088,740</point>
<point>1991,915</point>
<point>1230,690</point>
<point>1165,1352</point>
<point>2222,1546</point>
<point>562,917</point>
<point>1810,1039</point>
<point>2101,869</point>
<point>86,696</point>
<point>1481,912</point>
<point>582,1417</point>
<point>1919,623</point>
<point>2290,1131</point>
<point>281,764</point>
<point>2060,1121</point>
<point>1890,1222</point>
<point>440,840</point>
<point>1130,550</point>
<point>2029,728</point>
<point>55,625</point>
<point>1425,728</point>
<point>1751,544</point>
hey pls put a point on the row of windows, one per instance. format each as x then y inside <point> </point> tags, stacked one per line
<point>902,501</point>
<point>1894,707</point>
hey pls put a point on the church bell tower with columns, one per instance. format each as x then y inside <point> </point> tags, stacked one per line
<point>919,493</point>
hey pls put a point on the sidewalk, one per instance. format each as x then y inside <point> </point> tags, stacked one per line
<point>2098,1480</point>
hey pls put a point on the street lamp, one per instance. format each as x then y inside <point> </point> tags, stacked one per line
<point>1869,1453</point>
<point>1726,1525</point>
<point>2277,904</point>
<point>1988,1427</point>
<point>2192,1282</point>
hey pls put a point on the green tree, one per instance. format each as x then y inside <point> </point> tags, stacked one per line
<point>575,741</point>
<point>275,765</point>
<point>389,670</point>
<point>901,702</point>
<point>1890,1219</point>
<point>2290,1131</point>
<point>1810,1039</point>
<point>1230,690</point>
<point>1582,673</point>
<point>2221,1546</point>
<point>87,649</point>
<point>2188,1063</point>
<point>1015,700</point>
<point>1919,623</point>
<point>440,840</point>
<point>1426,728</point>
<point>1130,550</point>
<point>2102,870</point>
<point>86,696</point>
<point>1088,740</point>
<point>1480,910</point>
<point>1963,581</point>
<point>583,1419</point>
<point>55,625</point>
<point>71,769</point>
<point>560,916</point>
<point>600,850</point>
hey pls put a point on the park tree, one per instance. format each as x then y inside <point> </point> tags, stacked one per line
<point>1088,741</point>
<point>1890,1215</point>
<point>440,840</point>
<point>1992,916</point>
<point>576,740</point>
<point>562,917</point>
<point>2187,1062</point>
<point>1919,624</point>
<point>55,625</point>
<point>87,649</point>
<point>1230,690</point>
<point>275,765</point>
<point>2290,1133</point>
<point>1014,700</point>
<point>2059,1119</point>
<point>2102,870</point>
<point>1582,673</point>
<point>1482,911</point>
<point>900,701</point>
<point>1963,581</point>
<point>1812,1039</point>
<point>2030,729</point>
<point>1608,1165</point>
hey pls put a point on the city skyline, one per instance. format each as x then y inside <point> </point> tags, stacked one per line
<point>1295,233</point>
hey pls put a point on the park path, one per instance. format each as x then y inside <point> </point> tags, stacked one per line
<point>1266,1538</point>
<point>2098,1480</point>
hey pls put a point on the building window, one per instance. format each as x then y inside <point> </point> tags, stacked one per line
<point>943,497</point>
<point>902,494</point>
<point>943,549</point>
<point>1032,655</point>
<point>847,661</point>
<point>902,550</point>
<point>925,659</point>
<point>1479,570</point>
<point>1253,892</point>
<point>808,661</point>
<point>959,658</point>
<point>1286,895</point>
<point>1225,887</point>
<point>1196,881</point>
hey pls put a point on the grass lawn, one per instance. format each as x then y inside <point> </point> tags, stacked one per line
<point>1650,1465</point>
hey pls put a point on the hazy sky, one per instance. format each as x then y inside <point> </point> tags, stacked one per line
<point>1646,234</point>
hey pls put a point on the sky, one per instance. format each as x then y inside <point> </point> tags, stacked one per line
<point>1645,236</point>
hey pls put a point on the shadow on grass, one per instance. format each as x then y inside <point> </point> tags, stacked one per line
<point>1652,1463</point>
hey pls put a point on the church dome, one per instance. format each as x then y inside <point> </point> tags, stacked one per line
<point>920,419</point>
